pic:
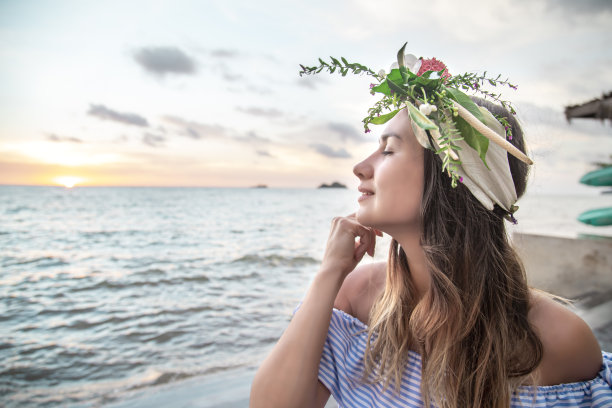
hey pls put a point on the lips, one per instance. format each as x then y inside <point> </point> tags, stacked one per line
<point>365,193</point>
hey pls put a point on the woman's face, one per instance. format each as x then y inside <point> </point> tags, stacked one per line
<point>391,179</point>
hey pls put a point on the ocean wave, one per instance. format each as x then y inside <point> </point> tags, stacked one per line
<point>151,272</point>
<point>48,261</point>
<point>77,310</point>
<point>240,277</point>
<point>110,233</point>
<point>87,324</point>
<point>119,285</point>
<point>18,209</point>
<point>275,260</point>
<point>167,336</point>
<point>26,372</point>
<point>36,348</point>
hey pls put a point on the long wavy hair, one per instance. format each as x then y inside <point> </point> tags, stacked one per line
<point>471,328</point>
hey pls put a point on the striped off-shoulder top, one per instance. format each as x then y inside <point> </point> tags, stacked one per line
<point>341,368</point>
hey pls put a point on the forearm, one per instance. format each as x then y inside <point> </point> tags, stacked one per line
<point>288,376</point>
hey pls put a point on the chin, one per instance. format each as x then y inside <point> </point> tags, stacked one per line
<point>365,219</point>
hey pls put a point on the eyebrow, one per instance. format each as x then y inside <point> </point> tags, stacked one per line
<point>383,138</point>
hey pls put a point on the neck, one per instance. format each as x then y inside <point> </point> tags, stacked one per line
<point>421,277</point>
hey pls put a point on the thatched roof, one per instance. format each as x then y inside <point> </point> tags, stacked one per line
<point>596,109</point>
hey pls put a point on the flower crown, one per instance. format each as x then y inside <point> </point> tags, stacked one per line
<point>437,106</point>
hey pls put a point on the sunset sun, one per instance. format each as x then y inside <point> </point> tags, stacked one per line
<point>68,181</point>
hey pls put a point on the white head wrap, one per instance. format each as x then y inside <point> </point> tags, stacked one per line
<point>493,185</point>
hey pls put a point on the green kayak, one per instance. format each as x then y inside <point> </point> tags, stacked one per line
<point>601,177</point>
<point>599,217</point>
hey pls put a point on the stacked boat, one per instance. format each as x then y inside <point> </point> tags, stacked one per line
<point>599,216</point>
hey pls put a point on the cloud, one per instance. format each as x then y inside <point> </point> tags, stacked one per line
<point>55,138</point>
<point>251,137</point>
<point>153,140</point>
<point>105,113</point>
<point>572,7</point>
<point>259,90</point>
<point>229,77</point>
<point>196,130</point>
<point>226,73</point>
<point>165,60</point>
<point>532,115</point>
<point>328,151</point>
<point>224,53</point>
<point>347,132</point>
<point>263,153</point>
<point>311,82</point>
<point>256,111</point>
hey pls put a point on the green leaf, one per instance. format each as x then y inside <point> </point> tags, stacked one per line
<point>421,120</point>
<point>473,138</point>
<point>345,61</point>
<point>395,87</point>
<point>383,88</point>
<point>404,72</point>
<point>465,101</point>
<point>379,120</point>
<point>335,61</point>
<point>400,56</point>
<point>427,83</point>
<point>393,82</point>
<point>396,76</point>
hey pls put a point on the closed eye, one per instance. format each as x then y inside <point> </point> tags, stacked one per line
<point>386,152</point>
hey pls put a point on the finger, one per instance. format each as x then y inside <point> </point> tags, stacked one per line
<point>367,241</point>
<point>373,243</point>
<point>360,252</point>
<point>378,232</point>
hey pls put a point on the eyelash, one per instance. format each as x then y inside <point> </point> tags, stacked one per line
<point>386,152</point>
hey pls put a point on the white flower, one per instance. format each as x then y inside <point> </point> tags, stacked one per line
<point>426,108</point>
<point>417,65</point>
<point>412,63</point>
<point>382,73</point>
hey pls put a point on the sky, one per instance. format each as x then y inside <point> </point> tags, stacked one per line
<point>207,93</point>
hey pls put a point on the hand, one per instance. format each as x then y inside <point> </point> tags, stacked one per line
<point>348,242</point>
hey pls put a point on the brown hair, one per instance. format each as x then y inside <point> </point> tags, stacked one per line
<point>471,328</point>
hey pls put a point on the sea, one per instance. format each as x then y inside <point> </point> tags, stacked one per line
<point>105,291</point>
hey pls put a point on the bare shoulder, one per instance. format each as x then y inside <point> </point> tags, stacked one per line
<point>360,289</point>
<point>571,351</point>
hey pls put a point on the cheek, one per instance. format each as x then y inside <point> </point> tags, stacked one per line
<point>402,190</point>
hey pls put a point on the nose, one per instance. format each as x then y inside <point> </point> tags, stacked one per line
<point>364,169</point>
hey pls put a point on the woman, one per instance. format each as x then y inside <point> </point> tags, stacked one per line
<point>449,319</point>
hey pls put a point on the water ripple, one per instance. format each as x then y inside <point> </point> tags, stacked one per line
<point>107,290</point>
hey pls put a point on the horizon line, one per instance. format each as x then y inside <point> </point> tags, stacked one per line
<point>255,187</point>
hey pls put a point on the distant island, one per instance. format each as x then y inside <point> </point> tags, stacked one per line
<point>260,186</point>
<point>335,184</point>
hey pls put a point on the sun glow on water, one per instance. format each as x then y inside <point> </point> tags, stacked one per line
<point>68,181</point>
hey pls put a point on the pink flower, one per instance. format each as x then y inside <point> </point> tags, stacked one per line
<point>433,65</point>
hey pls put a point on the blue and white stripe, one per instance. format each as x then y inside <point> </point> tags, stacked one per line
<point>341,368</point>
